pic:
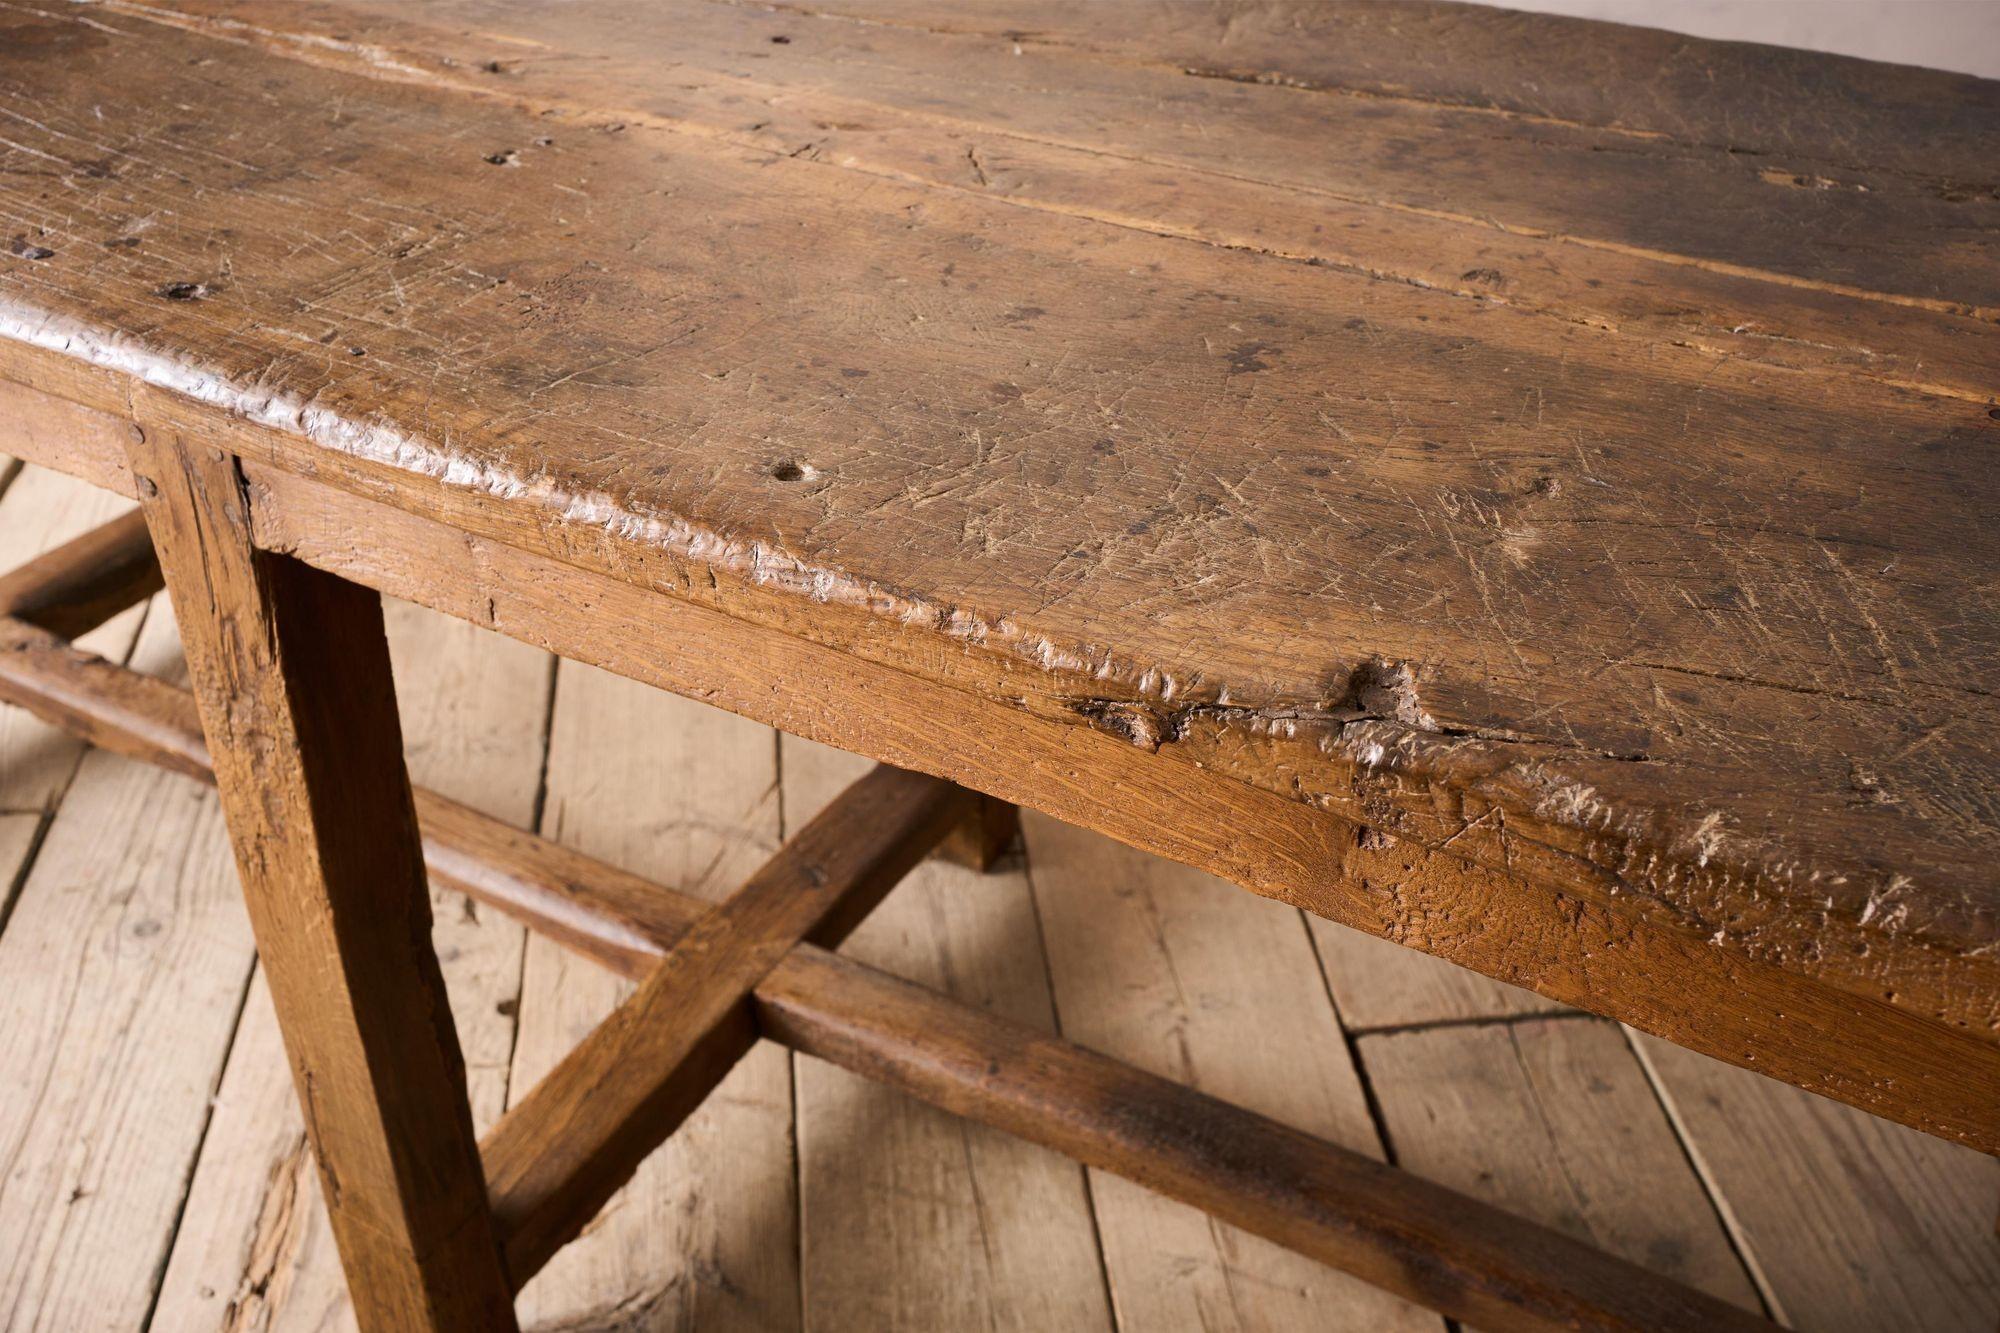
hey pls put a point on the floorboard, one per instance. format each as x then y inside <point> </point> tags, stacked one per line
<point>1378,984</point>
<point>1172,971</point>
<point>1855,1224</point>
<point>1553,1118</point>
<point>706,1235</point>
<point>125,957</point>
<point>913,1219</point>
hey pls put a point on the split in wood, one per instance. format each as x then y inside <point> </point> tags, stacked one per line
<point>714,978</point>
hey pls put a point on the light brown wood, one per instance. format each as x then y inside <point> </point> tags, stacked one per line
<point>253,1253</point>
<point>1650,974</point>
<point>76,587</point>
<point>125,959</point>
<point>911,1218</point>
<point>1298,445</point>
<point>1341,1207</point>
<point>566,1147</point>
<point>1617,955</point>
<point>1852,1224</point>
<point>1552,1118</point>
<point>1168,970</point>
<point>704,1237</point>
<point>292,670</point>
<point>1513,687</point>
<point>42,509</point>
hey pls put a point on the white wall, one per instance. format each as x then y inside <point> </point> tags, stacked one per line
<point>1962,35</point>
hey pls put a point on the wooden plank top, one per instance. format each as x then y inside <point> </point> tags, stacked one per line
<point>1564,444</point>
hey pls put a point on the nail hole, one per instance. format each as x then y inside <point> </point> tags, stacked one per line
<point>1993,412</point>
<point>507,157</point>
<point>791,471</point>
<point>357,351</point>
<point>184,291</point>
<point>781,40</point>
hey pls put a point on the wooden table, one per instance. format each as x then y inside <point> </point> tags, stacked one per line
<point>1516,486</point>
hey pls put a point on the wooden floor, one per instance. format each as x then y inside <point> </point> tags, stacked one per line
<point>153,1174</point>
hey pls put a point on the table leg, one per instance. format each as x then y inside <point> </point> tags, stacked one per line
<point>291,669</point>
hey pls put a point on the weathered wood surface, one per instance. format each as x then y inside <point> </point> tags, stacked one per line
<point>1690,624</point>
<point>1929,1076</point>
<point>1152,964</point>
<point>290,666</point>
<point>1580,595</point>
<point>1825,1174</point>
<point>704,1235</point>
<point>912,1219</point>
<point>125,962</point>
<point>1341,1207</point>
<point>1630,963</point>
<point>569,1143</point>
<point>253,1253</point>
<point>1852,1224</point>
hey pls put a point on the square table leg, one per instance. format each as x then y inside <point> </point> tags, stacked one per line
<point>291,669</point>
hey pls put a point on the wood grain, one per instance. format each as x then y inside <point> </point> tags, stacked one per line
<point>568,1144</point>
<point>1553,1118</point>
<point>705,1235</point>
<point>126,958</point>
<point>911,1218</point>
<point>1852,1224</point>
<point>253,1253</point>
<point>1690,627</point>
<point>291,669</point>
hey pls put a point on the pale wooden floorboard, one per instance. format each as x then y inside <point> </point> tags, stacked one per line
<point>254,1251</point>
<point>1177,973</point>
<point>706,1235</point>
<point>17,838</point>
<point>1377,984</point>
<point>913,1219</point>
<point>1854,1223</point>
<point>1553,1118</point>
<point>125,958</point>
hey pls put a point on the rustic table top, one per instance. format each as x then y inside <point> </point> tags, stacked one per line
<point>1534,438</point>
